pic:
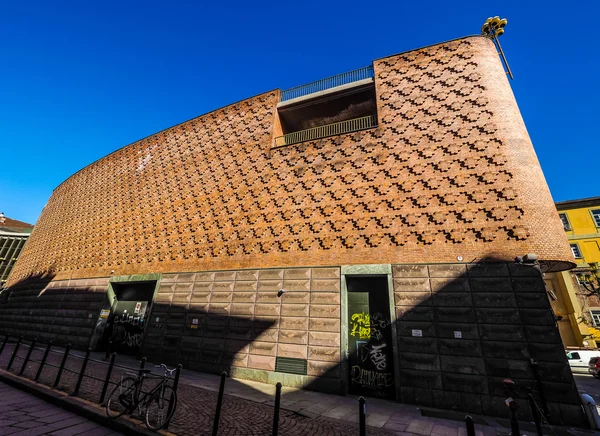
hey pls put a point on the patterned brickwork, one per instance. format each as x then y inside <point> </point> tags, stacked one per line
<point>479,324</point>
<point>449,172</point>
<point>224,319</point>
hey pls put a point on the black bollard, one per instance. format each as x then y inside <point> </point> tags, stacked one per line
<point>514,423</point>
<point>12,358</point>
<point>31,347</point>
<point>538,382</point>
<point>108,350</point>
<point>43,362</point>
<point>510,390</point>
<point>62,365</point>
<point>107,380</point>
<point>535,413</point>
<point>362,416</point>
<point>175,384</point>
<point>82,371</point>
<point>470,425</point>
<point>3,344</point>
<point>142,364</point>
<point>277,405</point>
<point>177,374</point>
<point>219,404</point>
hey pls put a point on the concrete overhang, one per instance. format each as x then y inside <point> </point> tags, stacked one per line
<point>325,92</point>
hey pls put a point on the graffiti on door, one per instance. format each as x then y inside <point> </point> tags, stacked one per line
<point>371,369</point>
<point>370,342</point>
<point>360,324</point>
<point>369,379</point>
<point>375,354</point>
<point>365,326</point>
<point>130,317</point>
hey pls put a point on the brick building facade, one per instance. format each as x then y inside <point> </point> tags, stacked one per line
<point>13,235</point>
<point>377,259</point>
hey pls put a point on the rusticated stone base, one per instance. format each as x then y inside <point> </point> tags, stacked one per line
<point>459,329</point>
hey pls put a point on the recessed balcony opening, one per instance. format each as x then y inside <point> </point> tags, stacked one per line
<point>314,112</point>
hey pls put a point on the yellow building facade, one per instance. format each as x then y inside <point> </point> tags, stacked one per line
<point>576,300</point>
<point>581,221</point>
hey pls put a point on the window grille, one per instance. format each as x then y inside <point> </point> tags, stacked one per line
<point>595,317</point>
<point>596,216</point>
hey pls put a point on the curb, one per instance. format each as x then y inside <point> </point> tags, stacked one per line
<point>81,407</point>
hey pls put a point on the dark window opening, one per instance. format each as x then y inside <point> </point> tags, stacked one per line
<point>134,291</point>
<point>565,221</point>
<point>346,111</point>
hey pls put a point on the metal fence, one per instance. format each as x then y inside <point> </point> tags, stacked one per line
<point>25,365</point>
<point>327,130</point>
<point>50,372</point>
<point>330,82</point>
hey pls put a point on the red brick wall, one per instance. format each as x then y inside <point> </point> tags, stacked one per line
<point>450,171</point>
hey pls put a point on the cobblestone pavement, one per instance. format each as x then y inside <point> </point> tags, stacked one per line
<point>239,416</point>
<point>22,414</point>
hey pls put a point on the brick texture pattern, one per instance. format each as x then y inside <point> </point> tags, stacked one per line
<point>449,171</point>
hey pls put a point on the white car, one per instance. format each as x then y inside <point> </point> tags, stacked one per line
<point>579,359</point>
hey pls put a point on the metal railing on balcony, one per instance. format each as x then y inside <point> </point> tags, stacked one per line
<point>327,130</point>
<point>330,82</point>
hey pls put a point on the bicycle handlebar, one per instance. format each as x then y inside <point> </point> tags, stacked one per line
<point>167,370</point>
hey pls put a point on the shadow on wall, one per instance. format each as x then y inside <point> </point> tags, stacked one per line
<point>460,331</point>
<point>38,307</point>
<point>68,312</point>
<point>210,342</point>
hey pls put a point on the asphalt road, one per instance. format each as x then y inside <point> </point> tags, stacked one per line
<point>588,384</point>
<point>22,414</point>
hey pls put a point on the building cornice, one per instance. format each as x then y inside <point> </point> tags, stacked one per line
<point>578,204</point>
<point>14,234</point>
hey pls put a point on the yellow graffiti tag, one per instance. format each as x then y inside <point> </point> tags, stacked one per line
<point>361,325</point>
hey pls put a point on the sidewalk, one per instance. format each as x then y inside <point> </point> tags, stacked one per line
<point>22,414</point>
<point>399,419</point>
<point>248,406</point>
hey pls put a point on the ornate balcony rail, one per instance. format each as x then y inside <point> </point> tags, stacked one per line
<point>327,130</point>
<point>330,82</point>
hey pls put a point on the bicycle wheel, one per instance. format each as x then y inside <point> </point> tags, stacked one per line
<point>122,398</point>
<point>161,407</point>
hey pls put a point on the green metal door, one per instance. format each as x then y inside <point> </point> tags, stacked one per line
<point>370,337</point>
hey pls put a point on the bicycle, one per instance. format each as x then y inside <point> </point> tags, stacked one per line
<point>160,402</point>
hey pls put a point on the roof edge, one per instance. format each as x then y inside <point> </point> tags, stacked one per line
<point>242,100</point>
<point>163,130</point>
<point>431,45</point>
<point>576,204</point>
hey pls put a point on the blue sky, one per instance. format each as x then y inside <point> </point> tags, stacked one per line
<point>80,79</point>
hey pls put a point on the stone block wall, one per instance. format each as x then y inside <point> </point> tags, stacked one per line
<point>220,319</point>
<point>65,311</point>
<point>463,329</point>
